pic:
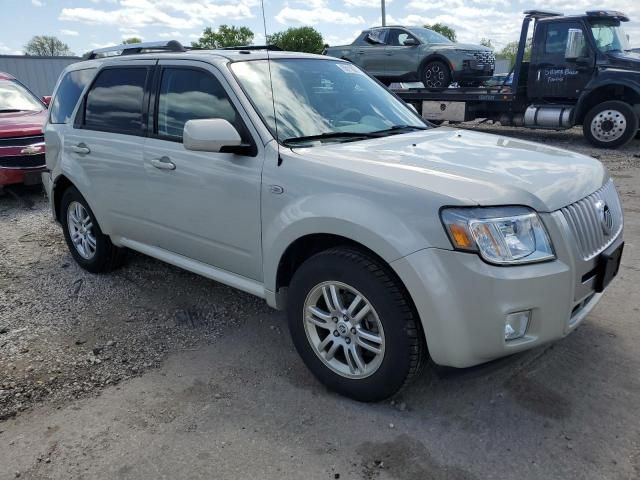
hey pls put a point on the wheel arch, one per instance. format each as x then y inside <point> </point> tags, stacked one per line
<point>621,91</point>
<point>433,57</point>
<point>60,185</point>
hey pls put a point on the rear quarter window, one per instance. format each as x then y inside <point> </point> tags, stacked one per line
<point>115,101</point>
<point>68,93</point>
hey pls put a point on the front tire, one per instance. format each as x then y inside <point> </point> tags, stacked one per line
<point>89,247</point>
<point>610,124</point>
<point>435,75</point>
<point>353,324</point>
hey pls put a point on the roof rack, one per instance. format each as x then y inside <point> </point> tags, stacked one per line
<point>273,48</point>
<point>542,14</point>
<point>133,48</point>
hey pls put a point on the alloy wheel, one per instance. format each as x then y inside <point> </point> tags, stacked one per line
<point>81,230</point>
<point>344,329</point>
<point>608,125</point>
<point>434,76</point>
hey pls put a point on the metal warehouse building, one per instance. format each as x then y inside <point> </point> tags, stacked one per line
<point>40,74</point>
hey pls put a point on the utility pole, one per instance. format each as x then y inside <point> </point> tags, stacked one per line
<point>384,14</point>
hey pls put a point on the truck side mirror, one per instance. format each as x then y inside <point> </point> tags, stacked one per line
<point>575,44</point>
<point>410,42</point>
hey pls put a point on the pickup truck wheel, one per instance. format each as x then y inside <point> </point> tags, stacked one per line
<point>353,325</point>
<point>90,248</point>
<point>610,124</point>
<point>435,75</point>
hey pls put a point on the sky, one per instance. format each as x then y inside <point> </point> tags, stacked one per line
<point>89,24</point>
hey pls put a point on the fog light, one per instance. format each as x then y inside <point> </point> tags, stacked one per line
<point>515,325</point>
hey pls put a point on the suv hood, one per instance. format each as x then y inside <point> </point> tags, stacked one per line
<point>22,124</point>
<point>469,168</point>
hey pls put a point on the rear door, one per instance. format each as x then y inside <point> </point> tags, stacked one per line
<point>551,75</point>
<point>106,147</point>
<point>402,60</point>
<point>371,54</point>
<point>207,208</point>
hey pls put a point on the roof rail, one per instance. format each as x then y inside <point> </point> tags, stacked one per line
<point>273,48</point>
<point>133,48</point>
<point>542,14</point>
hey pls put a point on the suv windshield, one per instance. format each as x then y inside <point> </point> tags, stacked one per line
<point>15,98</point>
<point>609,36</point>
<point>429,36</point>
<point>328,100</point>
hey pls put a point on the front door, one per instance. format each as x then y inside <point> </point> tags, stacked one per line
<point>551,75</point>
<point>207,207</point>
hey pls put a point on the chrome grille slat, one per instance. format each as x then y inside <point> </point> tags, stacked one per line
<point>585,224</point>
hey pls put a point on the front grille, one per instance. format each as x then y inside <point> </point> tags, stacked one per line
<point>585,219</point>
<point>21,141</point>
<point>23,161</point>
<point>485,58</point>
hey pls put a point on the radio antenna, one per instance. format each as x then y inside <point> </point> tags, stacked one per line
<point>273,95</point>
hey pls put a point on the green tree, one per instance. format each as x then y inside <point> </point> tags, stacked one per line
<point>487,43</point>
<point>129,40</point>
<point>510,50</point>
<point>444,30</point>
<point>300,39</point>
<point>225,36</point>
<point>46,46</point>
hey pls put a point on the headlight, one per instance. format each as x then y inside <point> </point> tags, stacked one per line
<point>501,235</point>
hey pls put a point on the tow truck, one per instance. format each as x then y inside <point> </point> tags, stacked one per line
<point>581,71</point>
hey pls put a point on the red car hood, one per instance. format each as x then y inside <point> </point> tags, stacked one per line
<point>22,124</point>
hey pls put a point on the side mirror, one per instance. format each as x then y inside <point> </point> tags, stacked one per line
<point>575,44</point>
<point>410,42</point>
<point>46,100</point>
<point>210,135</point>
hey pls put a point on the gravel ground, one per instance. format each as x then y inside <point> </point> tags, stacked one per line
<point>152,372</point>
<point>65,333</point>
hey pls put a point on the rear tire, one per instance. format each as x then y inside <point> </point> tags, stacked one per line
<point>610,124</point>
<point>373,355</point>
<point>89,247</point>
<point>435,75</point>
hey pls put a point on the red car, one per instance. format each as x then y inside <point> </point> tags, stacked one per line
<point>22,116</point>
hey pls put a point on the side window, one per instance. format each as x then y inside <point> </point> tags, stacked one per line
<point>68,93</point>
<point>378,36</point>
<point>397,37</point>
<point>188,94</point>
<point>556,37</point>
<point>114,103</point>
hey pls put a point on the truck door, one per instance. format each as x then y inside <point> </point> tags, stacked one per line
<point>371,55</point>
<point>551,75</point>
<point>402,60</point>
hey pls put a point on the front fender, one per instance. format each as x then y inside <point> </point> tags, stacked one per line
<point>364,222</point>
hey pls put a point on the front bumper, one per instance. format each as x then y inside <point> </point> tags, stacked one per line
<point>463,302</point>
<point>28,176</point>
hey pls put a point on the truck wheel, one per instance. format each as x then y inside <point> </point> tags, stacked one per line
<point>435,75</point>
<point>610,124</point>
<point>89,247</point>
<point>353,325</point>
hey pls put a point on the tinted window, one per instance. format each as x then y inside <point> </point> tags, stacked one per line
<point>187,94</point>
<point>114,102</point>
<point>397,37</point>
<point>556,39</point>
<point>67,95</point>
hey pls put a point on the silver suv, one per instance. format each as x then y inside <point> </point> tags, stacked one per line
<point>300,179</point>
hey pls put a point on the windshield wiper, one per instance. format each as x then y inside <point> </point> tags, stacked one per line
<point>10,110</point>
<point>328,136</point>
<point>399,129</point>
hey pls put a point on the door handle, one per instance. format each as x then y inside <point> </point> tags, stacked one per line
<point>360,52</point>
<point>81,149</point>
<point>163,163</point>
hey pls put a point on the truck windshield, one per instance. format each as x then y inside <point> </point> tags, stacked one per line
<point>15,98</point>
<point>429,36</point>
<point>609,37</point>
<point>323,99</point>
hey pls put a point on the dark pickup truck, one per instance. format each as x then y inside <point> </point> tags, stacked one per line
<point>405,54</point>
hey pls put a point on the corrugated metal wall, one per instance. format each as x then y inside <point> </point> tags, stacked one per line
<point>38,73</point>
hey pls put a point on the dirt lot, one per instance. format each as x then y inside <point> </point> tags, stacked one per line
<point>152,372</point>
